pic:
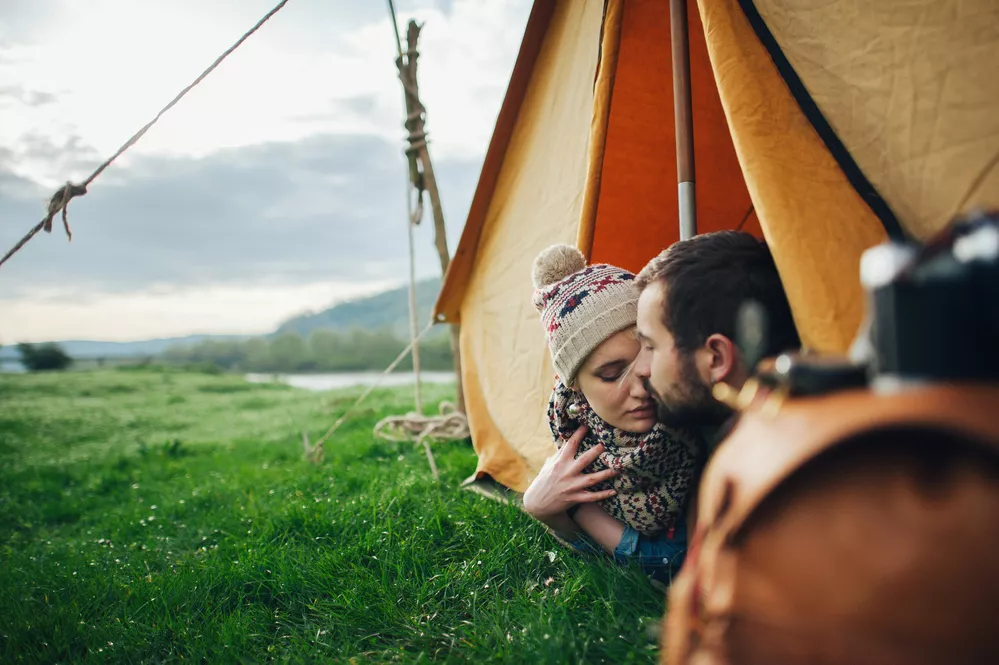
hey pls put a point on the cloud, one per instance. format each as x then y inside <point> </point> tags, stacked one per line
<point>328,207</point>
<point>173,313</point>
<point>28,20</point>
<point>16,193</point>
<point>289,81</point>
<point>68,154</point>
<point>21,95</point>
<point>445,6</point>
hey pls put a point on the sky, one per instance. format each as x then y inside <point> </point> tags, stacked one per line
<point>276,186</point>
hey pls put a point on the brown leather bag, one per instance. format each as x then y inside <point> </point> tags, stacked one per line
<point>853,528</point>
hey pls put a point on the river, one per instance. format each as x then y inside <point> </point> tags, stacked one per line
<point>349,379</point>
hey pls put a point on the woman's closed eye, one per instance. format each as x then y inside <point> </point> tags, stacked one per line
<point>611,372</point>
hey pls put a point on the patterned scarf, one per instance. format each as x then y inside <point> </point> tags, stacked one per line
<point>657,468</point>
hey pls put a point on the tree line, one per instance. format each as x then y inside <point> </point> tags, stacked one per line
<point>321,351</point>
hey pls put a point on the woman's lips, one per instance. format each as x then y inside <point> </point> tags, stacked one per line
<point>643,412</point>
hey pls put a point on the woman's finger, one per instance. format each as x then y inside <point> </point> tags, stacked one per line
<point>587,458</point>
<point>590,497</point>
<point>572,445</point>
<point>590,479</point>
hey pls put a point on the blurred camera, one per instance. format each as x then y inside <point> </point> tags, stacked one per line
<point>932,316</point>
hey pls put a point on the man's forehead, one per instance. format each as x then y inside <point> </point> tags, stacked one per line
<point>652,301</point>
<point>654,292</point>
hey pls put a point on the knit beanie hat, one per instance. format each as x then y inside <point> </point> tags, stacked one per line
<point>580,305</point>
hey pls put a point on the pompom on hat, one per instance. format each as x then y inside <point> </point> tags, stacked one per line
<point>580,305</point>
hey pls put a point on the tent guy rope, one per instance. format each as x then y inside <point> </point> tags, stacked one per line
<point>315,452</point>
<point>60,200</point>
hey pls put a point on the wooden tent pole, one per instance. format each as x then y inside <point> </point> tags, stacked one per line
<point>684,119</point>
<point>425,180</point>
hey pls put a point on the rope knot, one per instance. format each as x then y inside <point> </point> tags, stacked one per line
<point>450,424</point>
<point>60,202</point>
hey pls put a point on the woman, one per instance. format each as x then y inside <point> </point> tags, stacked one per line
<point>629,487</point>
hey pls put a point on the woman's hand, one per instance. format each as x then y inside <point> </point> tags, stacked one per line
<point>561,482</point>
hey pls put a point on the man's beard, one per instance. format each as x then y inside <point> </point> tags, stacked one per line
<point>691,403</point>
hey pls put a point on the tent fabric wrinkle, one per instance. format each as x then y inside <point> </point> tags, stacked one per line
<point>909,88</point>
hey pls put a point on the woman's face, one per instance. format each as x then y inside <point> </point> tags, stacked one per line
<point>614,393</point>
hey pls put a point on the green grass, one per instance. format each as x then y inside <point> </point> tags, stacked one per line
<point>156,516</point>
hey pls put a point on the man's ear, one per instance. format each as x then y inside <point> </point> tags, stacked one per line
<point>724,360</point>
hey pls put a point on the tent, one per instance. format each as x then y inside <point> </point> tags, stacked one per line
<point>825,127</point>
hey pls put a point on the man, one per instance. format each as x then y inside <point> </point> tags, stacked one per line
<point>687,316</point>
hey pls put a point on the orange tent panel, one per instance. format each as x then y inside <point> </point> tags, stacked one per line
<point>636,214</point>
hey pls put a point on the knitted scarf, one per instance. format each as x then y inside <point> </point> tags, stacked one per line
<point>657,469</point>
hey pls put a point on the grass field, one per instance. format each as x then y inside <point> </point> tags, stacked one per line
<point>156,516</point>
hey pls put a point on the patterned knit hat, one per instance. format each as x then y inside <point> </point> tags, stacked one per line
<point>580,305</point>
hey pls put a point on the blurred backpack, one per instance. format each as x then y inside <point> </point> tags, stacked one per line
<point>852,514</point>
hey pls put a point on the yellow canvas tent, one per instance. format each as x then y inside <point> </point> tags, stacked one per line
<point>825,127</point>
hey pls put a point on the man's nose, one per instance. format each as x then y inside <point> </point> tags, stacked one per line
<point>642,365</point>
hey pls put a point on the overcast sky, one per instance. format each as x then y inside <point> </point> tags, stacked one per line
<point>276,186</point>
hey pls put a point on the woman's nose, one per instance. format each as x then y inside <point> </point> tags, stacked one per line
<point>636,387</point>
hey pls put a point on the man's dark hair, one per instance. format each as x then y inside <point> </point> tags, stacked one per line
<point>707,278</point>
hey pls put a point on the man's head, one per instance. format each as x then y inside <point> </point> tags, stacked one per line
<point>687,311</point>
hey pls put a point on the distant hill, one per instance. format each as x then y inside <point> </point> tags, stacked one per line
<point>388,310</point>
